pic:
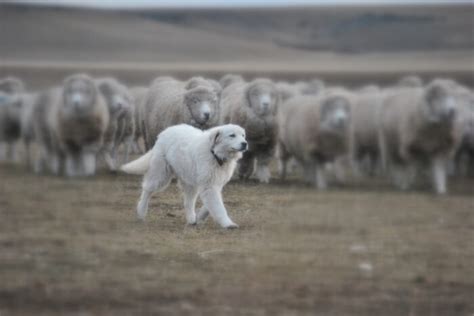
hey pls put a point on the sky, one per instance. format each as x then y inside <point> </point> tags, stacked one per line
<point>221,3</point>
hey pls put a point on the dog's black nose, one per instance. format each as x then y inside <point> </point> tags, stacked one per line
<point>206,115</point>
<point>243,146</point>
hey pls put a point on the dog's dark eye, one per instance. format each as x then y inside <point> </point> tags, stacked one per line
<point>232,135</point>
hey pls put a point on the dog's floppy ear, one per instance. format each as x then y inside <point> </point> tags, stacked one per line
<point>215,136</point>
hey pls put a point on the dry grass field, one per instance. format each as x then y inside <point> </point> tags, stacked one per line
<point>74,247</point>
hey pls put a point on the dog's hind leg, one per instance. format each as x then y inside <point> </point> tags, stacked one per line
<point>202,214</point>
<point>190,195</point>
<point>157,178</point>
<point>212,200</point>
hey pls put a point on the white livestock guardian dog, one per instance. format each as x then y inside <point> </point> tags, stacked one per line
<point>202,161</point>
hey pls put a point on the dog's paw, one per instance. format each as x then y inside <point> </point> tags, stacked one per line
<point>231,226</point>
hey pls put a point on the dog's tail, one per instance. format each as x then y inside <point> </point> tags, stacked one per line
<point>139,166</point>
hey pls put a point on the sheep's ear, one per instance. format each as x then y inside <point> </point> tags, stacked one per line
<point>248,89</point>
<point>192,83</point>
<point>216,87</point>
<point>188,98</point>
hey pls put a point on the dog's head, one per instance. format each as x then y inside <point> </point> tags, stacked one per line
<point>79,93</point>
<point>228,141</point>
<point>117,96</point>
<point>203,104</point>
<point>262,97</point>
<point>439,104</point>
<point>335,113</point>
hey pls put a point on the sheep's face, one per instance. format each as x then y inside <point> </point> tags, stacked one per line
<point>440,103</point>
<point>262,97</point>
<point>120,102</point>
<point>11,86</point>
<point>79,93</point>
<point>335,113</point>
<point>116,95</point>
<point>203,105</point>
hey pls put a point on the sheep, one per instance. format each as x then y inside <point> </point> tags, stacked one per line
<point>410,82</point>
<point>464,157</point>
<point>138,94</point>
<point>12,106</point>
<point>253,106</point>
<point>26,123</point>
<point>12,85</point>
<point>315,130</point>
<point>229,79</point>
<point>69,125</point>
<point>10,127</point>
<point>417,127</point>
<point>121,128</point>
<point>365,155</point>
<point>312,87</point>
<point>287,90</point>
<point>169,102</point>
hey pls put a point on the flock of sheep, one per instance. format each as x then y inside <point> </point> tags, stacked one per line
<point>404,131</point>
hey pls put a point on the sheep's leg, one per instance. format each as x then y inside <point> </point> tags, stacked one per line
<point>12,152</point>
<point>263,170</point>
<point>89,163</point>
<point>128,144</point>
<point>438,169</point>
<point>383,150</point>
<point>27,146</point>
<point>40,161</point>
<point>72,169</point>
<point>320,179</point>
<point>283,157</point>
<point>3,151</point>
<point>246,165</point>
<point>109,160</point>
<point>136,147</point>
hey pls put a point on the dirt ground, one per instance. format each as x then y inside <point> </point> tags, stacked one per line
<point>74,247</point>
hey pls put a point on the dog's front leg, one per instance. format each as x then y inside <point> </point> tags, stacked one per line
<point>212,200</point>
<point>190,195</point>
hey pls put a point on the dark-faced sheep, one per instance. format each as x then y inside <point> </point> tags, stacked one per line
<point>253,106</point>
<point>69,125</point>
<point>417,128</point>
<point>121,126</point>
<point>315,131</point>
<point>172,102</point>
<point>464,158</point>
<point>138,94</point>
